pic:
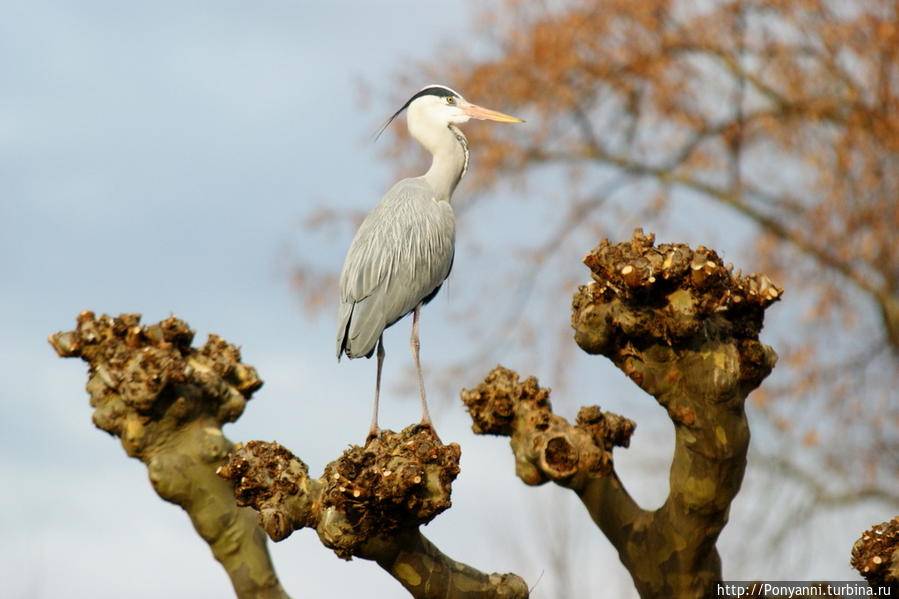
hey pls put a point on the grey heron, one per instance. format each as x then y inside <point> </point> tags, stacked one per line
<point>403,250</point>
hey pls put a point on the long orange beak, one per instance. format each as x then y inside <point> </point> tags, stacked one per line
<point>485,114</point>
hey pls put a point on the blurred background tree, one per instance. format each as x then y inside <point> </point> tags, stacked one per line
<point>769,127</point>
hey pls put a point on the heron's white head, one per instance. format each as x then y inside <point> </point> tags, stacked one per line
<point>436,107</point>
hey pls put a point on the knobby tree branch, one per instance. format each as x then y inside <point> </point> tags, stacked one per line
<point>369,503</point>
<point>685,329</point>
<point>167,402</point>
<point>876,555</point>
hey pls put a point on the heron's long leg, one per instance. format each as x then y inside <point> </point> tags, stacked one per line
<point>416,345</point>
<point>373,429</point>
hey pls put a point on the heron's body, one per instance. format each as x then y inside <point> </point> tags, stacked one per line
<point>403,251</point>
<point>399,258</point>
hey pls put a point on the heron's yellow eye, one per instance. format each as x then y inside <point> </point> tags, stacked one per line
<point>450,100</point>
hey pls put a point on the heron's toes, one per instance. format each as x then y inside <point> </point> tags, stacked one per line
<point>372,436</point>
<point>427,426</point>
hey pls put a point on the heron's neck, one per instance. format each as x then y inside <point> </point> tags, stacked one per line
<point>450,150</point>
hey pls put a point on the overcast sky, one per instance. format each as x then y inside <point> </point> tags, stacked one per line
<point>158,158</point>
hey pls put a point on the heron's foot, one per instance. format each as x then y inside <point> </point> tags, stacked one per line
<point>372,436</point>
<point>426,425</point>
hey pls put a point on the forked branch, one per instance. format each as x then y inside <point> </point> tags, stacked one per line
<point>685,329</point>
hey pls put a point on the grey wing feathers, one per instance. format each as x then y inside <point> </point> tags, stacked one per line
<point>401,254</point>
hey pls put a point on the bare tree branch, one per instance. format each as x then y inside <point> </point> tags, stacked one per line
<point>369,503</point>
<point>167,401</point>
<point>729,197</point>
<point>686,331</point>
